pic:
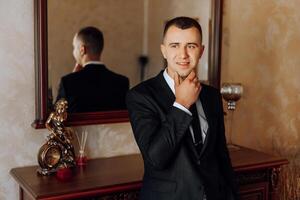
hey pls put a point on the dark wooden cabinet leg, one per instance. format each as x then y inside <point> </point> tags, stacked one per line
<point>275,172</point>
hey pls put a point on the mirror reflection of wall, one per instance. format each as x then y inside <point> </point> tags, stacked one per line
<point>122,23</point>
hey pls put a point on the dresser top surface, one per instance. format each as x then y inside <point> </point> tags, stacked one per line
<point>121,171</point>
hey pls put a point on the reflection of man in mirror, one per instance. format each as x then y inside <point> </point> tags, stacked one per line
<point>92,87</point>
<point>178,124</point>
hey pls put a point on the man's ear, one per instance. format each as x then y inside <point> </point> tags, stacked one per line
<point>82,49</point>
<point>202,50</point>
<point>163,50</point>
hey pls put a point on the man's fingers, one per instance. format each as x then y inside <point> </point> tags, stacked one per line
<point>195,80</point>
<point>191,75</point>
<point>198,88</point>
<point>77,67</point>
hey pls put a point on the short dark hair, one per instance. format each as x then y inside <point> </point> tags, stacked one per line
<point>92,37</point>
<point>183,23</point>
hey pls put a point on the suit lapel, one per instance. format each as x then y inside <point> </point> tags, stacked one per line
<point>205,101</point>
<point>163,92</point>
<point>190,145</point>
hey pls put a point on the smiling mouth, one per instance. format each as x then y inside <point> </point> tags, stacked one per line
<point>183,64</point>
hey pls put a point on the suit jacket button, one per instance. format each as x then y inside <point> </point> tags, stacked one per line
<point>198,162</point>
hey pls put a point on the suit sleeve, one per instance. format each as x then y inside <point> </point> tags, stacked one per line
<point>127,84</point>
<point>222,152</point>
<point>122,95</point>
<point>157,134</point>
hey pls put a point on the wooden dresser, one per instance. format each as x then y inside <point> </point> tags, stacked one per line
<point>119,178</point>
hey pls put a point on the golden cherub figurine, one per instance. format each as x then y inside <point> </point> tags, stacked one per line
<point>58,151</point>
<point>55,120</point>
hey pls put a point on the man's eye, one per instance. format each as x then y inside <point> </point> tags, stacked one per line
<point>173,45</point>
<point>191,46</point>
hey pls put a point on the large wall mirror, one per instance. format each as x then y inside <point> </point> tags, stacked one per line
<point>132,29</point>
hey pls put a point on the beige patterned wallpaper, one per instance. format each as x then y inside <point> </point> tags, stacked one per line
<point>261,46</point>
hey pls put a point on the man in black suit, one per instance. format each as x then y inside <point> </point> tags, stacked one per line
<point>178,125</point>
<point>92,87</point>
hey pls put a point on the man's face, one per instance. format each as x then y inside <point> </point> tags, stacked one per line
<point>76,49</point>
<point>182,49</point>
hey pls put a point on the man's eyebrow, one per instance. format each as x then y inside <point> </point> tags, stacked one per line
<point>172,43</point>
<point>189,43</point>
<point>193,43</point>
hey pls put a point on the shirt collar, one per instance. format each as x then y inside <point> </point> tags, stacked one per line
<point>169,80</point>
<point>93,62</point>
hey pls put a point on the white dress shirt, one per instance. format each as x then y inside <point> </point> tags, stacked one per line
<point>93,62</point>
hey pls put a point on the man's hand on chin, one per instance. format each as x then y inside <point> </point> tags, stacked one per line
<point>77,67</point>
<point>187,90</point>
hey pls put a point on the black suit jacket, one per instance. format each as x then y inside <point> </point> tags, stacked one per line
<point>94,88</point>
<point>173,168</point>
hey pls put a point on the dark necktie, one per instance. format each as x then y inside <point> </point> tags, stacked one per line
<point>196,128</point>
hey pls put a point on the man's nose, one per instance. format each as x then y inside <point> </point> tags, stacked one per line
<point>183,52</point>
